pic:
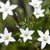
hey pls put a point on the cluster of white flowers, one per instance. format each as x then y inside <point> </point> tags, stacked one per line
<point>38,12</point>
<point>45,38</point>
<point>37,8</point>
<point>26,34</point>
<point>6,9</point>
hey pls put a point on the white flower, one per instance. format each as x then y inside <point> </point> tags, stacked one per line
<point>44,38</point>
<point>35,3</point>
<point>38,12</point>
<point>26,34</point>
<point>6,37</point>
<point>6,9</point>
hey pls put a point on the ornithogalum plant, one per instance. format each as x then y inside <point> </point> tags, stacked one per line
<point>25,25</point>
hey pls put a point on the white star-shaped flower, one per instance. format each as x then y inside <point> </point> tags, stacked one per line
<point>6,9</point>
<point>26,34</point>
<point>44,38</point>
<point>35,3</point>
<point>6,37</point>
<point>38,12</point>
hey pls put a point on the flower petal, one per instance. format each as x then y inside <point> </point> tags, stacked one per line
<point>24,39</point>
<point>48,41</point>
<point>30,3</point>
<point>4,15</point>
<point>43,10</point>
<point>43,44</point>
<point>2,4</point>
<point>12,39</point>
<point>8,3</point>
<point>40,39</point>
<point>5,31</point>
<point>1,35</point>
<point>13,7</point>
<point>6,42</point>
<point>22,30</point>
<point>40,33</point>
<point>10,12</point>
<point>1,40</point>
<point>10,33</point>
<point>1,10</point>
<point>21,35</point>
<point>32,0</point>
<point>27,30</point>
<point>47,33</point>
<point>29,37</point>
<point>40,2</point>
<point>41,15</point>
<point>31,32</point>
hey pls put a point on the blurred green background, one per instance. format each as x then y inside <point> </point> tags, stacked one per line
<point>23,17</point>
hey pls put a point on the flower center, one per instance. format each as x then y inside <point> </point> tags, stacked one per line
<point>37,12</point>
<point>45,38</point>
<point>26,34</point>
<point>6,9</point>
<point>35,3</point>
<point>6,37</point>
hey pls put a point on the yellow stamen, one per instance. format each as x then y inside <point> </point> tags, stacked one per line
<point>6,37</point>
<point>37,12</point>
<point>26,34</point>
<point>6,9</point>
<point>45,38</point>
<point>35,3</point>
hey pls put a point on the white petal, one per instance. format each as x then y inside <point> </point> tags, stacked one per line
<point>48,41</point>
<point>2,4</point>
<point>40,2</point>
<point>24,39</point>
<point>49,37</point>
<point>10,12</point>
<point>42,10</point>
<point>1,40</point>
<point>13,7</point>
<point>29,37</point>
<point>1,9</point>
<point>10,33</point>
<point>37,16</point>
<point>27,30</point>
<point>40,39</point>
<point>4,15</point>
<point>40,33</point>
<point>6,42</point>
<point>21,35</point>
<point>32,0</point>
<point>8,3</point>
<point>5,31</point>
<point>1,35</point>
<point>22,30</point>
<point>47,33</point>
<point>43,44</point>
<point>41,15</point>
<point>12,39</point>
<point>31,32</point>
<point>30,3</point>
<point>39,7</point>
